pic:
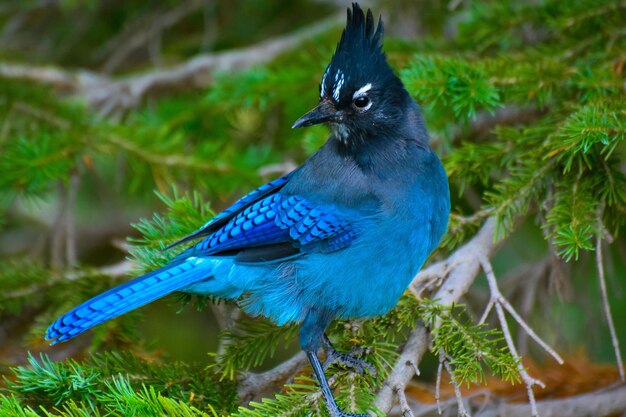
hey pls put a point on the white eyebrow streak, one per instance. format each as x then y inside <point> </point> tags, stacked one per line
<point>361,91</point>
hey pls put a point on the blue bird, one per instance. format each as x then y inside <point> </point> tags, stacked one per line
<point>341,236</point>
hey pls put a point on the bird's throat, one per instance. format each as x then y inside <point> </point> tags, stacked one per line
<point>341,132</point>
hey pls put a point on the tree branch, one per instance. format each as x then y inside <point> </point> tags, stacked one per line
<point>607,308</point>
<point>598,404</point>
<point>253,384</point>
<point>112,97</point>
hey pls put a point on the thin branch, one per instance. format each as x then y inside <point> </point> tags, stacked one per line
<point>462,411</point>
<point>607,307</point>
<point>438,386</point>
<point>226,316</point>
<point>70,220</point>
<point>404,368</point>
<point>496,300</point>
<point>404,404</point>
<point>58,229</point>
<point>253,384</point>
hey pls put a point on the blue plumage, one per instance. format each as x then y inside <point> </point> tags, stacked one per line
<point>339,237</point>
<point>126,297</point>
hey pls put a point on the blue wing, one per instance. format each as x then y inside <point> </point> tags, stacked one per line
<point>279,226</point>
<point>222,218</point>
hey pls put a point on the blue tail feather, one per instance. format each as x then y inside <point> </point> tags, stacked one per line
<point>128,296</point>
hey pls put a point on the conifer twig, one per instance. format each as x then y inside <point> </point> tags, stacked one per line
<point>497,301</point>
<point>443,359</point>
<point>607,307</point>
<point>498,298</point>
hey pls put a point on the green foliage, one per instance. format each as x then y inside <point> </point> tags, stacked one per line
<point>471,347</point>
<point>298,399</point>
<point>117,384</point>
<point>451,83</point>
<point>250,344</point>
<point>183,216</point>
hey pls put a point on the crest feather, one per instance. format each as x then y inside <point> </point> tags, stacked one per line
<point>358,59</point>
<point>360,32</point>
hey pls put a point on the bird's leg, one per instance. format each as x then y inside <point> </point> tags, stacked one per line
<point>332,406</point>
<point>352,360</point>
<point>311,337</point>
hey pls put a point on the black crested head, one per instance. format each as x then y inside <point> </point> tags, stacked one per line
<point>361,98</point>
<point>359,57</point>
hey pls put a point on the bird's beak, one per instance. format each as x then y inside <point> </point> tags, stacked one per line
<point>322,113</point>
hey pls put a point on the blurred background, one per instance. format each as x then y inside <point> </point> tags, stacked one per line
<point>111,111</point>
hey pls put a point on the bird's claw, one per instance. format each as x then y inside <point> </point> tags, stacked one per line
<point>352,360</point>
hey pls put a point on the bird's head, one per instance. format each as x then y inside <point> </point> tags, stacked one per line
<point>360,96</point>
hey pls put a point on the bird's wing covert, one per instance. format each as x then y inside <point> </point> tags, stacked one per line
<point>222,218</point>
<point>279,226</point>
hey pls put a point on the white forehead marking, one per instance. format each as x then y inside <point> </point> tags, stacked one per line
<point>361,91</point>
<point>322,90</point>
<point>339,80</point>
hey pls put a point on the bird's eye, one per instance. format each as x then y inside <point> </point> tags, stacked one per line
<point>361,103</point>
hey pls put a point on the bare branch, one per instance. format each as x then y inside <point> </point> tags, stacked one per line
<point>607,307</point>
<point>601,403</point>
<point>404,404</point>
<point>404,368</point>
<point>598,404</point>
<point>497,302</point>
<point>498,299</point>
<point>445,361</point>
<point>253,384</point>
<point>71,81</point>
<point>460,269</point>
<point>438,386</point>
<point>111,97</point>
<point>58,229</point>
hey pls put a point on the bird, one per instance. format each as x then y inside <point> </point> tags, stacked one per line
<point>339,237</point>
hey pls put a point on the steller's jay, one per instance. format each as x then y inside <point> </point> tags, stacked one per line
<point>341,236</point>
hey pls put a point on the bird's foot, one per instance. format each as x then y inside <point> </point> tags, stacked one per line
<point>334,411</point>
<point>353,360</point>
<point>343,414</point>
